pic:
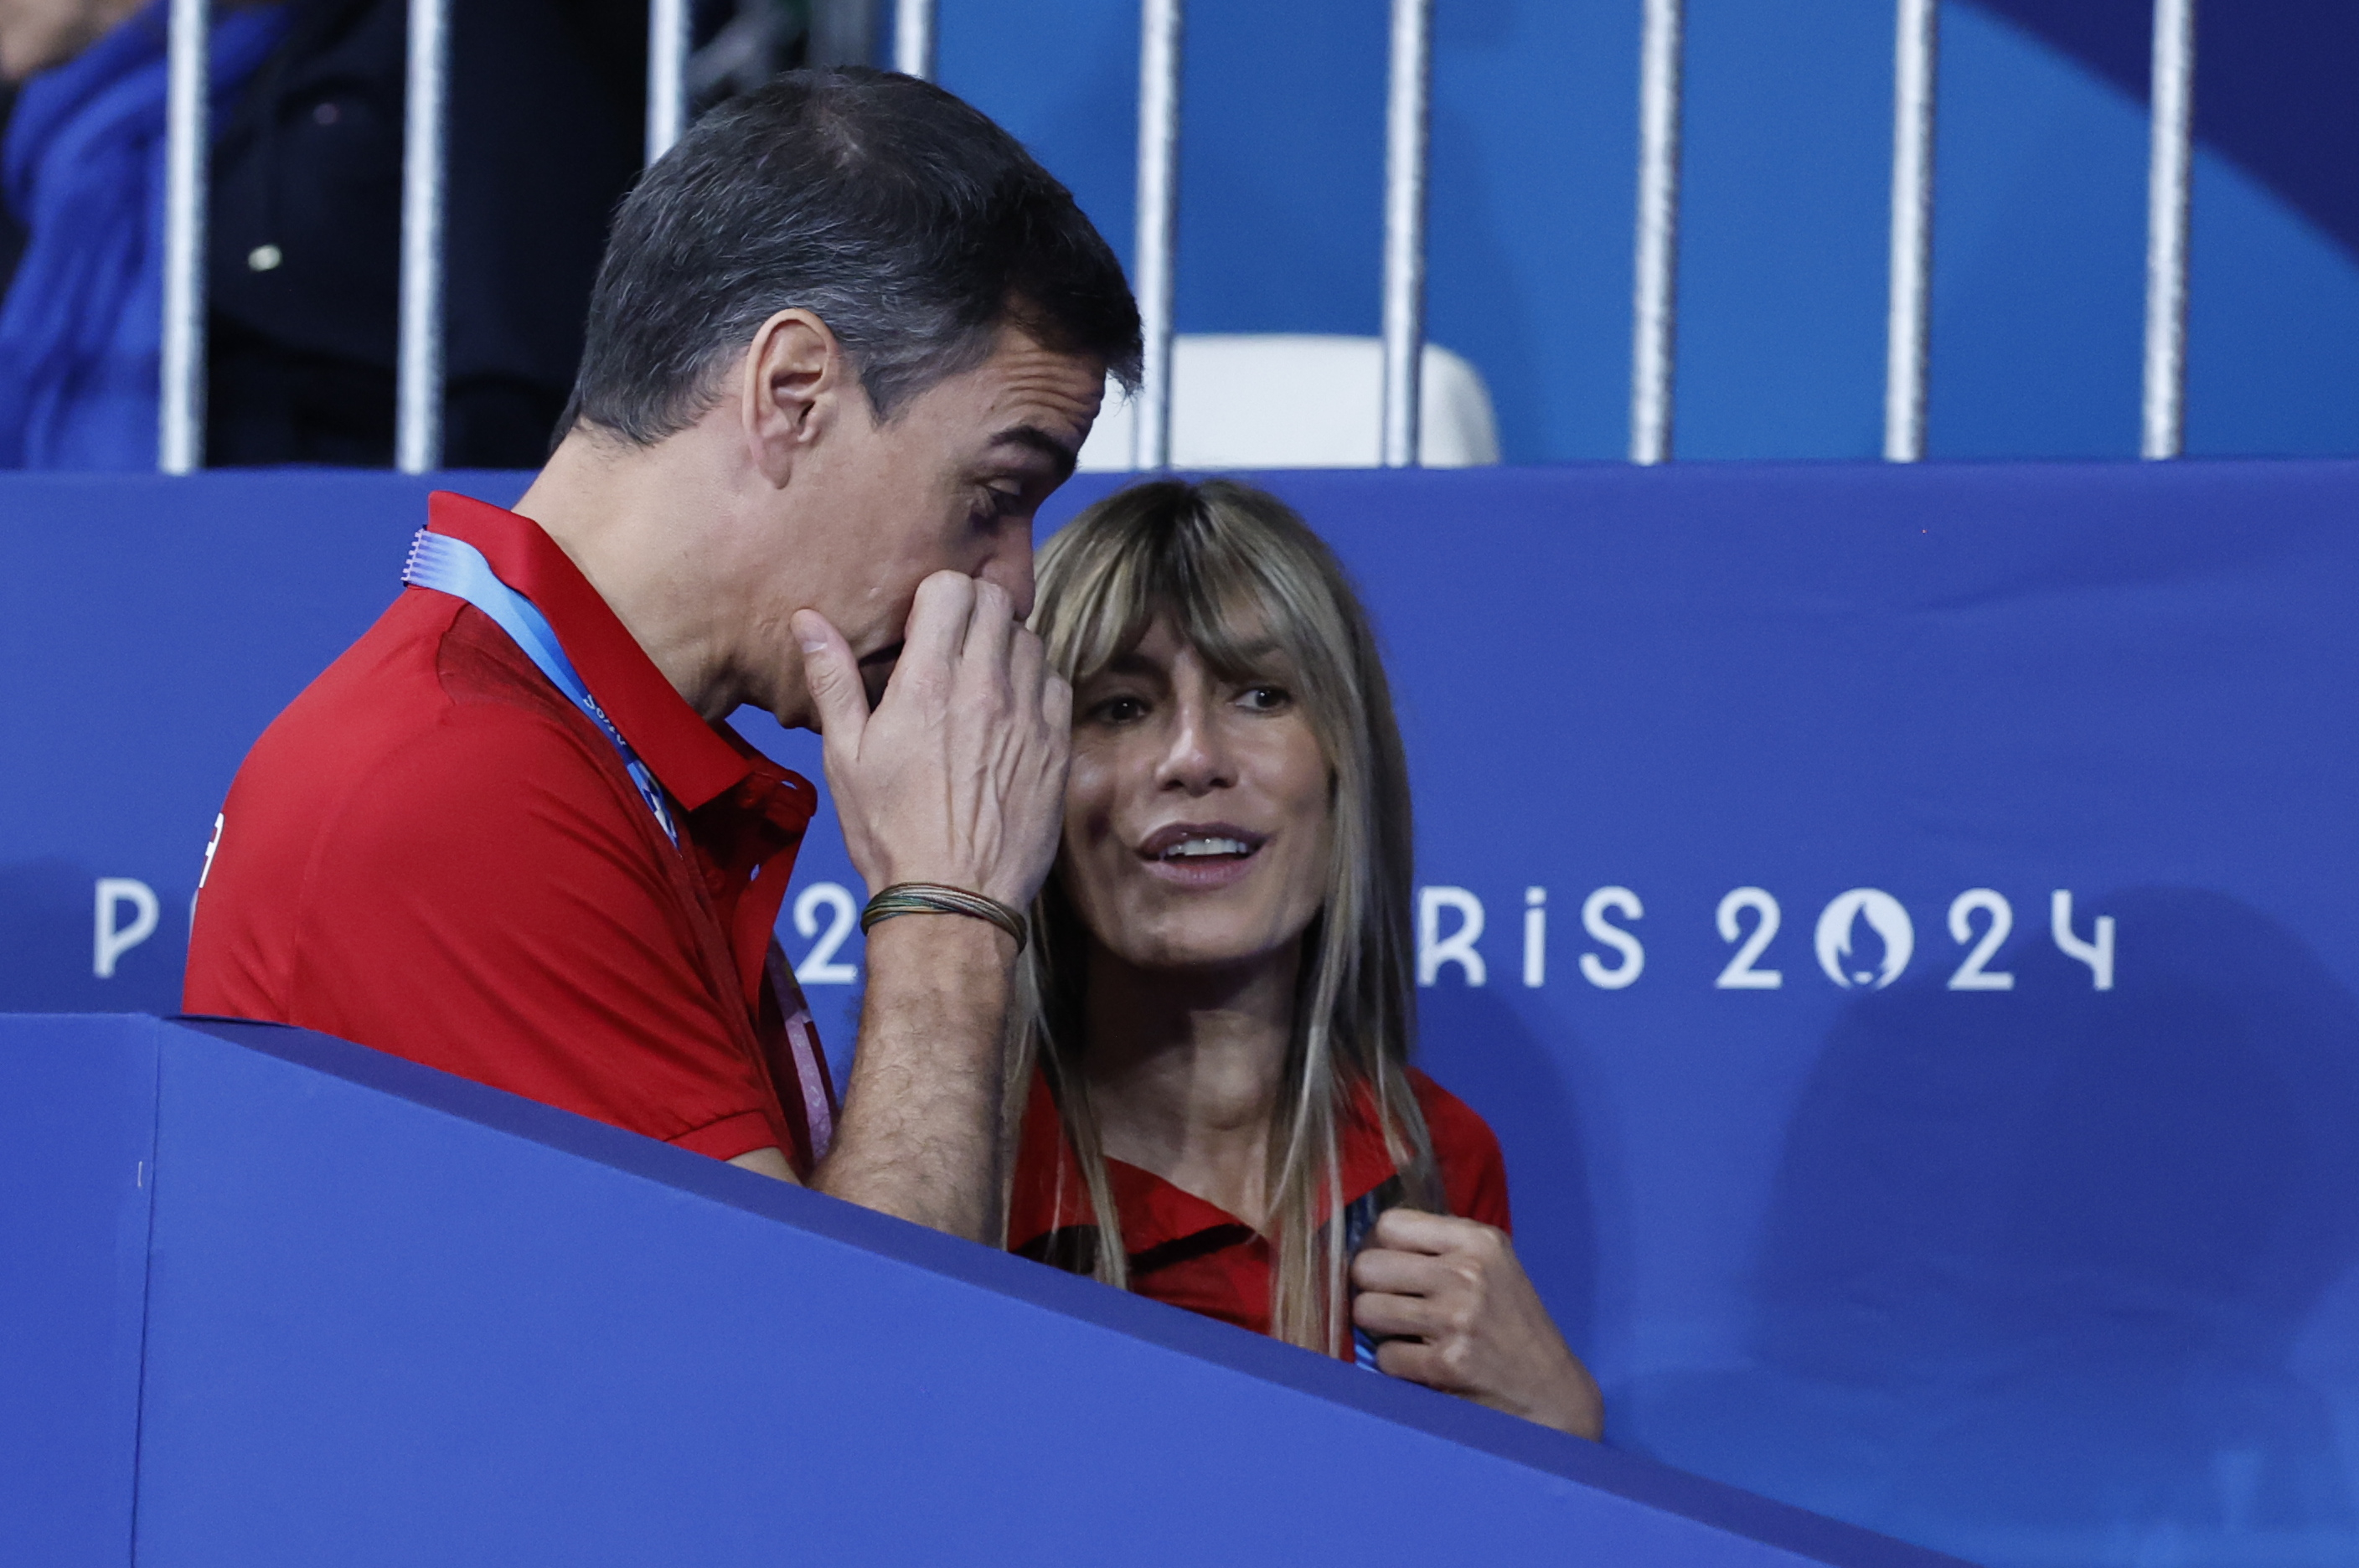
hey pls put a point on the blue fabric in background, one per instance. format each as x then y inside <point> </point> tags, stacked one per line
<point>2038,224</point>
<point>2043,1275</point>
<point>81,327</point>
<point>2038,285</point>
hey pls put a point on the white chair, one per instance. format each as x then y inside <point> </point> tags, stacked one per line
<point>1295,400</point>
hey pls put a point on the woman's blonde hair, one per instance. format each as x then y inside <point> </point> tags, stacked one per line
<point>1230,567</point>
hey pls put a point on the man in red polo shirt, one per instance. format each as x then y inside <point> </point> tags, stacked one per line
<point>847,337</point>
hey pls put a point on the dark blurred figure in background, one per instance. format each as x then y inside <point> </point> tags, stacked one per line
<point>547,126</point>
<point>545,137</point>
<point>83,168</point>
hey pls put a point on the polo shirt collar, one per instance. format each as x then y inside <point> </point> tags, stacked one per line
<point>1154,1211</point>
<point>693,760</point>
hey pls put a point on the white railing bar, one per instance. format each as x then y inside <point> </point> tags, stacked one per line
<point>180,415</point>
<point>1408,125</point>
<point>2168,169</point>
<point>913,39</point>
<point>667,46</point>
<point>1907,321</point>
<point>418,392</point>
<point>1160,28</point>
<point>1653,302</point>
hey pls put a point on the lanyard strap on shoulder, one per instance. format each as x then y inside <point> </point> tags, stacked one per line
<point>457,568</point>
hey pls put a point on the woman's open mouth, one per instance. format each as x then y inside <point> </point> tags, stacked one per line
<point>1200,854</point>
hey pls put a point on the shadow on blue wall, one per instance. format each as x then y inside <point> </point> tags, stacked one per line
<point>1481,1050</point>
<point>2031,1283</point>
<point>2272,86</point>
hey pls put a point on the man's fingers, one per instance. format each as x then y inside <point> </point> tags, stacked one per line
<point>833,677</point>
<point>1057,706</point>
<point>1027,670</point>
<point>991,630</point>
<point>938,622</point>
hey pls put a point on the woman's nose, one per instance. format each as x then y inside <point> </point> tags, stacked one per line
<point>1197,759</point>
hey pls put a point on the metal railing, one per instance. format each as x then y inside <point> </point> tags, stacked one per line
<point>1161,26</point>
<point>913,39</point>
<point>2168,171</point>
<point>668,48</point>
<point>1654,311</point>
<point>180,416</point>
<point>1407,117</point>
<point>1907,322</point>
<point>1908,316</point>
<point>425,171</point>
<point>418,438</point>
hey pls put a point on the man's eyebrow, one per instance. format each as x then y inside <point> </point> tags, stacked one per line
<point>1038,440</point>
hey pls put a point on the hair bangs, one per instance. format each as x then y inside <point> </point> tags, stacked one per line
<point>1248,600</point>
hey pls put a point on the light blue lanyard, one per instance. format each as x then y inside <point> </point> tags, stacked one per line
<point>457,568</point>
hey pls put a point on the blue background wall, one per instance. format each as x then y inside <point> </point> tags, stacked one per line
<point>2039,229</point>
<point>2047,1274</point>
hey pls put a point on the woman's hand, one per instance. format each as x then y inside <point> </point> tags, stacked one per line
<point>1468,1321</point>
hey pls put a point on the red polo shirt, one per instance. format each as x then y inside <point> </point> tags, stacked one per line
<point>433,852</point>
<point>1194,1254</point>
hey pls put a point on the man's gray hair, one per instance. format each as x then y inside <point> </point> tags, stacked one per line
<point>900,215</point>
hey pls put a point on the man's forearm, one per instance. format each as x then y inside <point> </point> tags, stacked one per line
<point>919,1133</point>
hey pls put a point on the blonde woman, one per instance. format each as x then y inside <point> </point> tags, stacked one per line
<point>1217,1107</point>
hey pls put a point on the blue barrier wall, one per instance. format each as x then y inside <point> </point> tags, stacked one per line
<point>390,1317</point>
<point>2043,1273</point>
<point>76,1157</point>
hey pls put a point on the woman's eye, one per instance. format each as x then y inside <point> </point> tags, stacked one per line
<point>1264,699</point>
<point>1118,711</point>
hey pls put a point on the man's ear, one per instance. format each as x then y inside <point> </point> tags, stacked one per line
<point>798,384</point>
